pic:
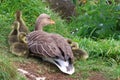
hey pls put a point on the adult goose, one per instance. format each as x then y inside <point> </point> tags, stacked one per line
<point>50,47</point>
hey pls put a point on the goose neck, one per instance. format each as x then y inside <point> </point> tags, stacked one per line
<point>39,27</point>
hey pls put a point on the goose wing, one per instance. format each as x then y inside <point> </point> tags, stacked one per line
<point>63,46</point>
<point>42,44</point>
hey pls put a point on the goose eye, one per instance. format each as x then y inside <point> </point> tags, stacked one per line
<point>49,18</point>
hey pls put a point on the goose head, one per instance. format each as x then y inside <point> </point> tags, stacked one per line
<point>43,20</point>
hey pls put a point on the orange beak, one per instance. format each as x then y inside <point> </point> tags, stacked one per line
<point>52,22</point>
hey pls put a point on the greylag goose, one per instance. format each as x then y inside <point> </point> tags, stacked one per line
<point>50,47</point>
<point>12,37</point>
<point>78,53</point>
<point>23,27</point>
<point>20,48</point>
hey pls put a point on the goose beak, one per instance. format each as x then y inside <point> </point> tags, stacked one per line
<point>64,66</point>
<point>52,22</point>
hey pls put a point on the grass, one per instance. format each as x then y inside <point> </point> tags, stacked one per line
<point>105,48</point>
<point>104,53</point>
<point>97,65</point>
<point>8,70</point>
<point>97,19</point>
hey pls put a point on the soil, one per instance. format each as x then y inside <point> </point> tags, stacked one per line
<point>51,72</point>
<point>96,76</point>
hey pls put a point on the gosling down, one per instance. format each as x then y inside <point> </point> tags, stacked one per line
<point>78,53</point>
<point>51,47</point>
<point>20,48</point>
<point>12,38</point>
<point>23,27</point>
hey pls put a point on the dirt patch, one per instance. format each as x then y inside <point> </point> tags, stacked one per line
<point>43,69</point>
<point>51,72</point>
<point>96,76</point>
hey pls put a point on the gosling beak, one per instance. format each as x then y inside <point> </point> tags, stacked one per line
<point>52,22</point>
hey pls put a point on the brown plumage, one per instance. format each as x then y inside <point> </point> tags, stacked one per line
<point>12,37</point>
<point>51,47</point>
<point>20,48</point>
<point>23,27</point>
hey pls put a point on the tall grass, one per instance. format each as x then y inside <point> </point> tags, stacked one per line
<point>31,10</point>
<point>97,18</point>
<point>110,69</point>
<point>7,70</point>
<point>104,48</point>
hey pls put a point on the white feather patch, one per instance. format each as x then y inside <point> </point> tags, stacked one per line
<point>63,65</point>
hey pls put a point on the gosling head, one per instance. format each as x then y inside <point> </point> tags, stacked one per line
<point>22,37</point>
<point>43,20</point>
<point>18,15</point>
<point>74,45</point>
